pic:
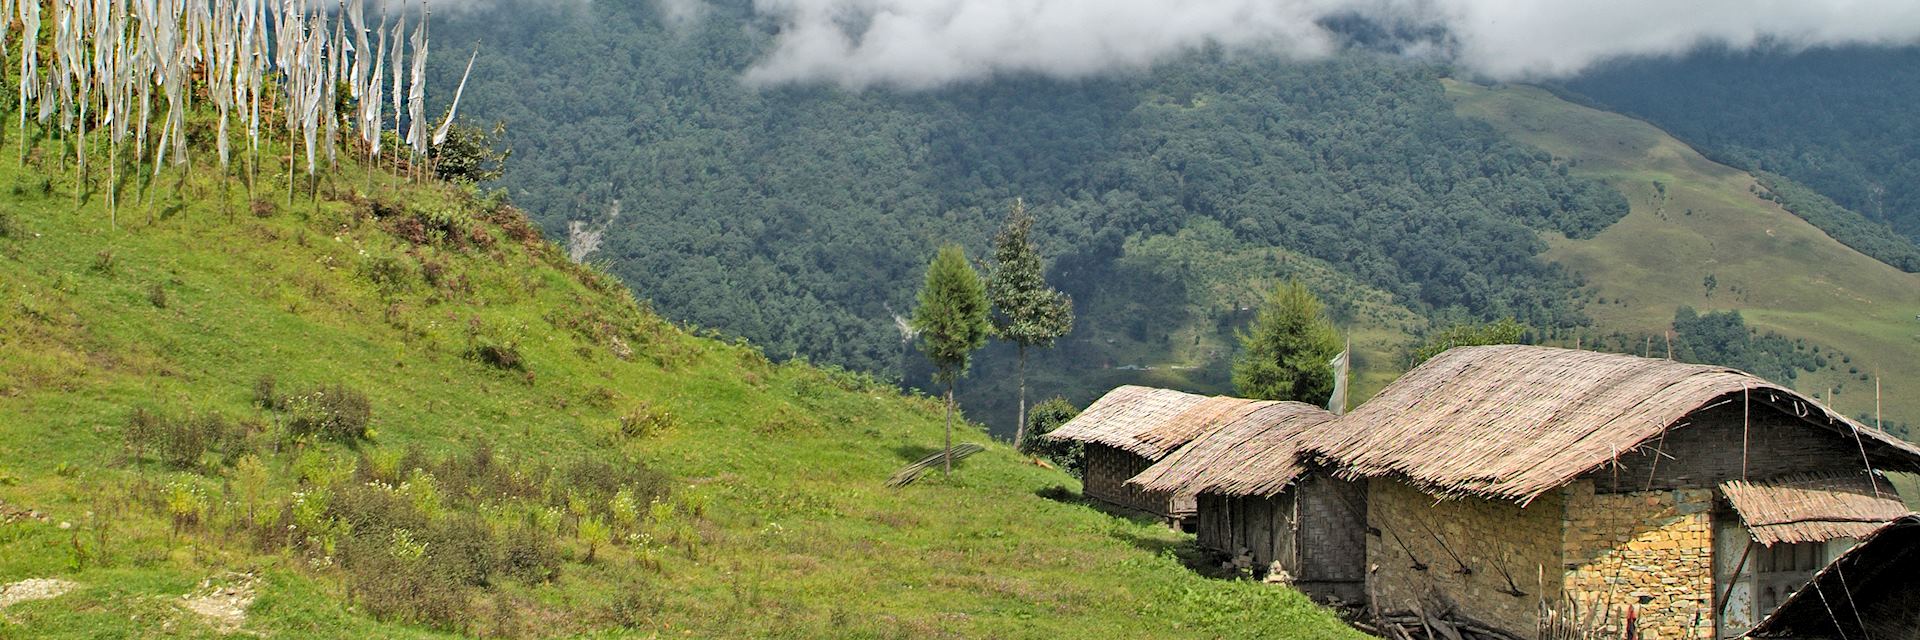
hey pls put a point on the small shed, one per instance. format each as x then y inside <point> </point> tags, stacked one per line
<point>1257,499</point>
<point>1132,427</point>
<point>1871,591</point>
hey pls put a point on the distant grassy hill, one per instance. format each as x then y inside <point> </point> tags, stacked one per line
<point>1692,218</point>
<point>396,412</point>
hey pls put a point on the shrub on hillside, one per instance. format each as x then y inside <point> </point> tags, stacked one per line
<point>1042,420</point>
<point>184,442</point>
<point>333,412</point>
<point>498,354</point>
<point>529,555</point>
<point>594,482</point>
<point>646,421</point>
<point>391,275</point>
<point>470,154</point>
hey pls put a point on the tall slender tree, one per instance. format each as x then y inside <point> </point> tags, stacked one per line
<point>1285,355</point>
<point>1026,311</point>
<point>952,320</point>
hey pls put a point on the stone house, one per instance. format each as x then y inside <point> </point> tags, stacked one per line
<point>1531,488</point>
<point>1868,592</point>
<point>1132,427</point>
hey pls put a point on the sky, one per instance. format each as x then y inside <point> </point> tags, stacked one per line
<point>921,44</point>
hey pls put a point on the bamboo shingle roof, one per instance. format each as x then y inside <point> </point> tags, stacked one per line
<point>1813,508</point>
<point>1150,422</point>
<point>1263,445</point>
<point>1514,421</point>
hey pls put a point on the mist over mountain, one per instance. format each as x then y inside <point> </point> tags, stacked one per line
<point>921,44</point>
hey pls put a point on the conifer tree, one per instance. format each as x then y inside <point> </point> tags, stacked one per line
<point>1026,311</point>
<point>1284,356</point>
<point>952,320</point>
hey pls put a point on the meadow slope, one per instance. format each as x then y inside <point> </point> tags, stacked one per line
<point>510,392</point>
<point>1692,218</point>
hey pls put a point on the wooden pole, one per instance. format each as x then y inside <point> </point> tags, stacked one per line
<point>1746,426</point>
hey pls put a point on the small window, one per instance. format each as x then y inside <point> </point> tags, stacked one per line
<point>1783,569</point>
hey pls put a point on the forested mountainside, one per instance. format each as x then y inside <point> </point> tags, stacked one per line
<point>1844,121</point>
<point>801,216</point>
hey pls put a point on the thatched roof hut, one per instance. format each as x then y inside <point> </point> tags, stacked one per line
<point>1130,428</point>
<point>1868,592</point>
<point>1151,422</point>
<point>1277,431</point>
<point>1514,422</point>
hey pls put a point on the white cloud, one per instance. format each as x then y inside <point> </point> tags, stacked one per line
<point>681,13</point>
<point>928,43</point>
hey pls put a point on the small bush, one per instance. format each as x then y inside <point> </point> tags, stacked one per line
<point>103,263</point>
<point>601,398</point>
<point>264,395</point>
<point>635,604</point>
<point>528,554</point>
<point>33,185</point>
<point>263,208</point>
<point>646,421</point>
<point>390,274</point>
<point>8,226</point>
<point>335,412</point>
<point>434,271</point>
<point>157,294</point>
<point>463,549</point>
<point>471,154</point>
<point>499,355</point>
<point>184,442</point>
<point>396,583</point>
<point>595,533</point>
<point>1042,419</point>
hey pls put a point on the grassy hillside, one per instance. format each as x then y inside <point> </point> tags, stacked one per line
<point>181,405</point>
<point>1692,218</point>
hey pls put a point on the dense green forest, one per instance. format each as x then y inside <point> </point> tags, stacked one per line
<point>1843,121</point>
<point>800,216</point>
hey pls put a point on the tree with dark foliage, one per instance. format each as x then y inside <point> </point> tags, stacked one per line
<point>952,320</point>
<point>1026,310</point>
<point>1285,355</point>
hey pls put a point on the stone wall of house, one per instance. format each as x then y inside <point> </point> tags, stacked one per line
<point>1484,557</point>
<point>1651,549</point>
<point>1108,470</point>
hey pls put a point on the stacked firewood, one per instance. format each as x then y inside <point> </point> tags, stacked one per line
<point>1445,625</point>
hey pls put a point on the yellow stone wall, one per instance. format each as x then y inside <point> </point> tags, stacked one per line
<point>1652,550</point>
<point>1505,548</point>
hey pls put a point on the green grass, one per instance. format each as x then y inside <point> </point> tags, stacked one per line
<point>1692,218</point>
<point>780,466</point>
